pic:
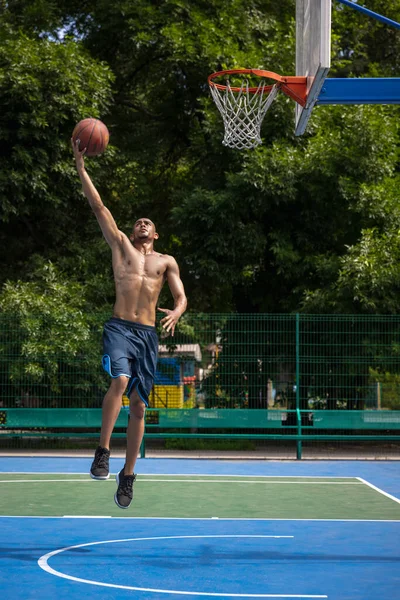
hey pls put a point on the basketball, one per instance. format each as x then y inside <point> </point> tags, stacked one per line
<point>92,135</point>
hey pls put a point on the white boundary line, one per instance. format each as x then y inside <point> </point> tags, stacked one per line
<point>186,475</point>
<point>379,490</point>
<point>246,482</point>
<point>199,518</point>
<point>89,517</point>
<point>43,564</point>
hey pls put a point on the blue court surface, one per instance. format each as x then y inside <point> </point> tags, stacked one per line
<point>199,528</point>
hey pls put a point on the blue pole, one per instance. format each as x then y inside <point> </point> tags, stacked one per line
<point>370,13</point>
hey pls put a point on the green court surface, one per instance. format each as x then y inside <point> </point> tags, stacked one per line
<point>201,496</point>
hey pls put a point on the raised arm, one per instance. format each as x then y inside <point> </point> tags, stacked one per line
<point>177,290</point>
<point>103,215</point>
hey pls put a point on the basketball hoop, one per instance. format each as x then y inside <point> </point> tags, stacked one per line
<point>243,108</point>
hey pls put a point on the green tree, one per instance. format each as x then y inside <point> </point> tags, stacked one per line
<point>42,96</point>
<point>48,341</point>
<point>267,230</point>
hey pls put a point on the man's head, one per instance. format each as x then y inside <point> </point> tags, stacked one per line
<point>144,230</point>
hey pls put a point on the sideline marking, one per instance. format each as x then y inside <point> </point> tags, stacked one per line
<point>378,490</point>
<point>86,517</point>
<point>43,564</point>
<point>326,520</point>
<point>49,480</point>
<point>186,481</point>
<point>187,475</point>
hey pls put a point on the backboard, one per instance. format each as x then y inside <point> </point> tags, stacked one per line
<point>313,52</point>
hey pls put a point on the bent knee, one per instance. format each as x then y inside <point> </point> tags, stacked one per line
<point>137,407</point>
<point>137,411</point>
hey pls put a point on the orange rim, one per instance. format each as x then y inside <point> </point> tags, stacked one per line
<point>294,87</point>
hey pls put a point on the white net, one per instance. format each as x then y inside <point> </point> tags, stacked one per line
<point>243,112</point>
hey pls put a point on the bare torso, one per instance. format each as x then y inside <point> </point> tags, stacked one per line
<point>138,279</point>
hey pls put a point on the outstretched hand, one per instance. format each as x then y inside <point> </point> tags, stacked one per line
<point>80,163</point>
<point>168,323</point>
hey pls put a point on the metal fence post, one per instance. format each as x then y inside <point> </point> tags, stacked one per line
<point>143,448</point>
<point>298,413</point>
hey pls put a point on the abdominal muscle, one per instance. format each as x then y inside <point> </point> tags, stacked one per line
<point>136,294</point>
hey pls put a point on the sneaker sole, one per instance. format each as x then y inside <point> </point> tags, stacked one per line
<point>100,478</point>
<point>115,495</point>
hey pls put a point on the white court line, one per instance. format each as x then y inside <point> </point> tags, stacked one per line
<point>263,482</point>
<point>379,490</point>
<point>203,518</point>
<point>49,480</point>
<point>87,517</point>
<point>43,564</point>
<point>187,475</point>
<point>187,481</point>
<point>243,476</point>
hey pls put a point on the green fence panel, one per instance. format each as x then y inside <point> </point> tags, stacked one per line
<point>351,419</point>
<point>78,418</point>
<point>216,418</point>
<point>230,361</point>
<point>256,374</point>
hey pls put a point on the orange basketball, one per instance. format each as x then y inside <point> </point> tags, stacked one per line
<point>92,135</point>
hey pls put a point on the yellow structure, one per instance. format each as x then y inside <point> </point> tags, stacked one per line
<point>167,396</point>
<point>162,396</point>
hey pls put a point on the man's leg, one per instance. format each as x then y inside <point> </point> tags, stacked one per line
<point>134,431</point>
<point>111,407</point>
<point>100,468</point>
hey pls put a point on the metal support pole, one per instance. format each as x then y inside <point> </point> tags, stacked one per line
<point>370,13</point>
<point>298,414</point>
<point>360,90</point>
<point>299,447</point>
<point>143,448</point>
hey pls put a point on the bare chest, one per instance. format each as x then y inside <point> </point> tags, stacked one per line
<point>133,263</point>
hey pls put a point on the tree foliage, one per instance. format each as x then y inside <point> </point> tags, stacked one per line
<point>49,335</point>
<point>44,88</point>
<point>305,223</point>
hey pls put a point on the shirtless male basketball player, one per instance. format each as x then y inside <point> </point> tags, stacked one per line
<point>130,343</point>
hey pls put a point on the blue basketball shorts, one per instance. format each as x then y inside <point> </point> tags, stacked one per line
<point>131,349</point>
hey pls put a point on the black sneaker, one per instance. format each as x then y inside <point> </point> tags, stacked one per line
<point>124,494</point>
<point>100,466</point>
